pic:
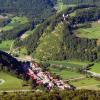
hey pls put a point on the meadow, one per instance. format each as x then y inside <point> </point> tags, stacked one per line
<point>96,68</point>
<point>87,83</point>
<point>65,74</point>
<point>15,21</point>
<point>92,32</point>
<point>11,82</point>
<point>5,45</point>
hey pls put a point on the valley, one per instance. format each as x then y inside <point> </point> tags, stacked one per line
<point>63,43</point>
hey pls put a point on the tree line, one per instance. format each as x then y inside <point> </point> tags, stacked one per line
<point>53,95</point>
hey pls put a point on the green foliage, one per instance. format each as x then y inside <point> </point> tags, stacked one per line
<point>49,46</point>
<point>39,9</point>
<point>44,44</point>
<point>15,22</point>
<point>54,95</point>
<point>64,73</point>
<point>5,45</point>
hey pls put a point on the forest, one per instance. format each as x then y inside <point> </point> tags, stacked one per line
<point>53,95</point>
<point>29,8</point>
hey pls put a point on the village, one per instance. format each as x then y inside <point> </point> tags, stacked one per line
<point>44,78</point>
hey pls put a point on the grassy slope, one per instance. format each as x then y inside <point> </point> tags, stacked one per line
<point>5,45</point>
<point>49,44</point>
<point>96,68</point>
<point>92,32</point>
<point>64,74</point>
<point>86,82</point>
<point>66,62</point>
<point>11,82</point>
<point>14,23</point>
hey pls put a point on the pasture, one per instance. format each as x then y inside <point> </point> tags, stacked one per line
<point>92,32</point>
<point>96,68</point>
<point>5,45</point>
<point>87,83</point>
<point>65,74</point>
<point>15,22</point>
<point>11,82</point>
<point>69,63</point>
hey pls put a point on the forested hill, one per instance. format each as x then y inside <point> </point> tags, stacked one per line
<point>28,7</point>
<point>54,39</point>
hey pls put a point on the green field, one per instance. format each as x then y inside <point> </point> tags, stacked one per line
<point>5,45</point>
<point>93,32</point>
<point>15,21</point>
<point>88,83</point>
<point>11,82</point>
<point>21,52</point>
<point>71,63</point>
<point>65,74</point>
<point>96,68</point>
<point>27,33</point>
<point>64,62</point>
<point>49,43</point>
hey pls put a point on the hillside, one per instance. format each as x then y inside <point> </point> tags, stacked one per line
<point>50,43</point>
<point>55,40</point>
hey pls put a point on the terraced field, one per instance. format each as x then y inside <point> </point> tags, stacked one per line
<point>50,43</point>
<point>61,6</point>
